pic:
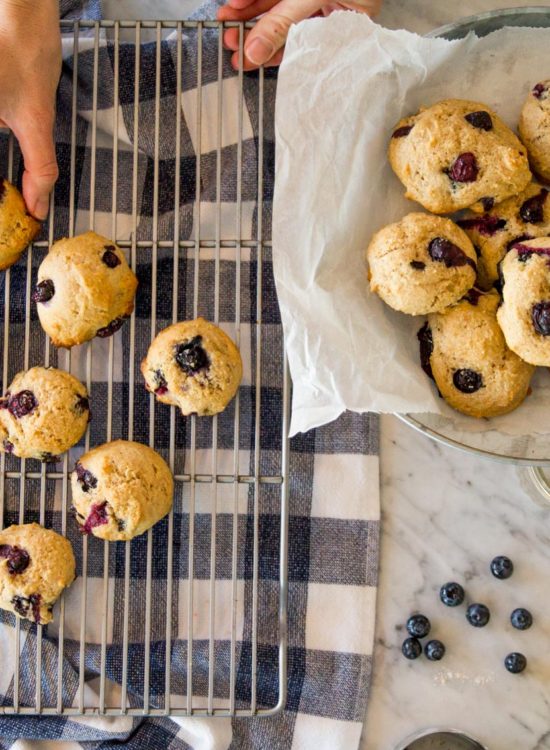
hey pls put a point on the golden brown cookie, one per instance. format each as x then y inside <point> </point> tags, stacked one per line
<point>193,365</point>
<point>464,350</point>
<point>36,564</point>
<point>17,227</point>
<point>524,315</point>
<point>43,413</point>
<point>534,128</point>
<point>458,154</point>
<point>421,264</point>
<point>120,490</point>
<point>85,288</point>
<point>521,217</point>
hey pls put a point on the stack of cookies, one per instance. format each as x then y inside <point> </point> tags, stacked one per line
<point>481,276</point>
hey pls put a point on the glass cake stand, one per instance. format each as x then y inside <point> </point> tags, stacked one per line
<point>530,452</point>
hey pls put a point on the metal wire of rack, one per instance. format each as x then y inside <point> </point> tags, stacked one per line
<point>210,482</point>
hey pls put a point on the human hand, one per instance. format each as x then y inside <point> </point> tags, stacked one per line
<point>30,66</point>
<point>264,43</point>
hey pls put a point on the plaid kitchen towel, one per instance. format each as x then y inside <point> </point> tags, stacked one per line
<point>334,508</point>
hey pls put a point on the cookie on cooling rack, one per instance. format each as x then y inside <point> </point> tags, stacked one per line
<point>120,490</point>
<point>465,352</point>
<point>534,128</point>
<point>524,315</point>
<point>85,288</point>
<point>457,154</point>
<point>36,564</point>
<point>193,365</point>
<point>521,217</point>
<point>421,264</point>
<point>43,413</point>
<point>17,227</point>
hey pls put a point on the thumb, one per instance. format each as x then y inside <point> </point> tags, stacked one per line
<point>35,136</point>
<point>271,31</point>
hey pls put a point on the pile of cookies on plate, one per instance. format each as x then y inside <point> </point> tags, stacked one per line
<point>483,277</point>
<point>86,289</point>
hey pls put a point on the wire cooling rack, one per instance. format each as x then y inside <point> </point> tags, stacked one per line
<point>183,656</point>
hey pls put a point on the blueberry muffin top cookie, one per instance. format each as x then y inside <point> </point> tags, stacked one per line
<point>534,128</point>
<point>524,315</point>
<point>121,489</point>
<point>464,351</point>
<point>493,233</point>
<point>85,288</point>
<point>36,564</point>
<point>421,264</point>
<point>43,413</point>
<point>458,154</point>
<point>193,365</point>
<point>17,227</point>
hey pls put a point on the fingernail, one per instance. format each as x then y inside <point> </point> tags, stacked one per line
<point>259,50</point>
<point>41,209</point>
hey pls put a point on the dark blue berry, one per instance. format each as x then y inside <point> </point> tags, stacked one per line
<point>22,403</point>
<point>502,567</point>
<point>540,315</point>
<point>43,291</point>
<point>114,326</point>
<point>467,381</point>
<point>481,120</point>
<point>464,168</point>
<point>86,479</point>
<point>109,257</point>
<point>191,356</point>
<point>521,619</point>
<point>515,662</point>
<point>478,615</point>
<point>411,648</point>
<point>18,559</point>
<point>444,251</point>
<point>434,650</point>
<point>402,132</point>
<point>418,626</point>
<point>451,594</point>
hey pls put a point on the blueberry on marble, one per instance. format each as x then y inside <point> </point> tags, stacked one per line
<point>418,626</point>
<point>478,615</point>
<point>434,650</point>
<point>521,619</point>
<point>451,594</point>
<point>515,662</point>
<point>502,567</point>
<point>411,648</point>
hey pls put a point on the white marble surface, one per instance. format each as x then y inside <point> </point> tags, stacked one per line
<point>445,516</point>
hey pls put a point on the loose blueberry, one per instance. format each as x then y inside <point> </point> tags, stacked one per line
<point>464,168</point>
<point>502,567</point>
<point>478,615</point>
<point>445,251</point>
<point>434,650</point>
<point>418,265</point>
<point>451,594</point>
<point>191,357</point>
<point>487,225</point>
<point>521,619</point>
<point>532,210</point>
<point>85,478</point>
<point>487,202</point>
<point>481,120</point>
<point>43,291</point>
<point>515,662</point>
<point>418,626</point>
<point>18,559</point>
<point>411,648</point>
<point>110,258</point>
<point>425,338</point>
<point>114,326</point>
<point>22,403</point>
<point>161,386</point>
<point>539,90</point>
<point>540,315</point>
<point>96,517</point>
<point>402,132</point>
<point>467,381</point>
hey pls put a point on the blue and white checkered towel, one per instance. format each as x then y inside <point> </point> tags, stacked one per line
<point>334,507</point>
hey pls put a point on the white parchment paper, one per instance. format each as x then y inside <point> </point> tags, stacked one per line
<point>343,85</point>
